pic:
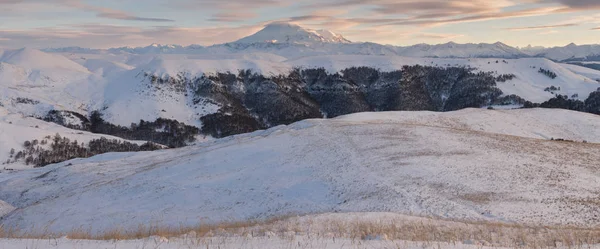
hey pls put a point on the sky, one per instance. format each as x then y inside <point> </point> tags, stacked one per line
<point>118,23</point>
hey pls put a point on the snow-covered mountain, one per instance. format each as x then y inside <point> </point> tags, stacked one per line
<point>532,50</point>
<point>293,41</point>
<point>455,50</point>
<point>290,33</point>
<point>572,52</point>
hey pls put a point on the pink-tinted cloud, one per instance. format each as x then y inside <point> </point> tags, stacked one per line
<point>384,21</point>
<point>105,36</point>
<point>438,36</point>
<point>9,5</point>
<point>579,4</point>
<point>228,10</point>
<point>232,17</point>
<point>544,27</point>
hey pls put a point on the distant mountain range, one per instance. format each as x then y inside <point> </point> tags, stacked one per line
<point>292,41</point>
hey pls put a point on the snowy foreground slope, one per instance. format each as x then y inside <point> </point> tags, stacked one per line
<point>472,164</point>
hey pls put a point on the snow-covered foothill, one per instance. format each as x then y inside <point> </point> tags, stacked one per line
<point>15,129</point>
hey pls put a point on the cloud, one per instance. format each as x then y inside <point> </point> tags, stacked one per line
<point>231,17</point>
<point>9,6</point>
<point>425,13</point>
<point>438,36</point>
<point>383,21</point>
<point>227,10</point>
<point>549,32</point>
<point>543,27</point>
<point>597,28</point>
<point>110,13</point>
<point>430,22</point>
<point>433,9</point>
<point>106,36</point>
<point>580,4</point>
<point>425,9</point>
<point>124,16</point>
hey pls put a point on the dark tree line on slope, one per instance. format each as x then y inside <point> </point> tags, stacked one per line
<point>167,132</point>
<point>591,104</point>
<point>171,133</point>
<point>505,77</point>
<point>62,149</point>
<point>28,101</point>
<point>77,121</point>
<point>548,73</point>
<point>252,101</point>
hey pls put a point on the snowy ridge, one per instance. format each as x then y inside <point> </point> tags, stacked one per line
<point>293,41</point>
<point>294,45</point>
<point>571,52</point>
<point>32,58</point>
<point>459,165</point>
<point>454,50</point>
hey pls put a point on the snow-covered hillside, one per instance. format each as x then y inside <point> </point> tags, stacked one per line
<point>22,57</point>
<point>120,84</point>
<point>33,68</point>
<point>528,84</point>
<point>472,164</point>
<point>16,129</point>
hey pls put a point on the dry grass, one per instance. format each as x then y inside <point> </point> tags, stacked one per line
<point>489,234</point>
<point>418,230</point>
<point>143,231</point>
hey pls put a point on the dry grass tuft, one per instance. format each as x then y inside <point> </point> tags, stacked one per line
<point>416,229</point>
